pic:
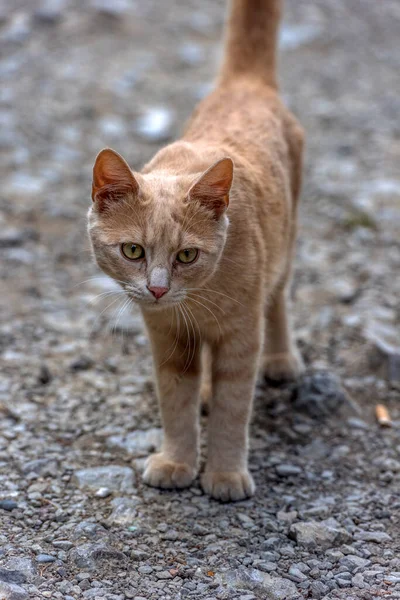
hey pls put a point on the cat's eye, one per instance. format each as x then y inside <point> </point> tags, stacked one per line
<point>132,251</point>
<point>187,256</point>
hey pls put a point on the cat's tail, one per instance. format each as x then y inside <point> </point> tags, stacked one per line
<point>251,40</point>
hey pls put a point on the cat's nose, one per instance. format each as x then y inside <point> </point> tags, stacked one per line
<point>157,291</point>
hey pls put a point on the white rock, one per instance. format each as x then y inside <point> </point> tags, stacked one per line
<point>24,183</point>
<point>113,477</point>
<point>191,54</point>
<point>115,8</point>
<point>138,441</point>
<point>156,124</point>
<point>124,510</point>
<point>112,126</point>
<point>294,36</point>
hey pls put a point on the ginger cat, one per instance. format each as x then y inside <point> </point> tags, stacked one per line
<point>202,239</point>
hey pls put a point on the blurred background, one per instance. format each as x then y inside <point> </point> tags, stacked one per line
<point>76,76</point>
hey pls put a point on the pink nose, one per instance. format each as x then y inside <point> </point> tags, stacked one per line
<point>157,291</point>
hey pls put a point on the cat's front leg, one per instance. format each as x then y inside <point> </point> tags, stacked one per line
<point>226,476</point>
<point>178,382</point>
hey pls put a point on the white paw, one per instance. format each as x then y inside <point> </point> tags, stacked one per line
<point>163,473</point>
<point>228,486</point>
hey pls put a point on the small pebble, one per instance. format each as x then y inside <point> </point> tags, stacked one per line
<point>8,504</point>
<point>103,492</point>
<point>45,558</point>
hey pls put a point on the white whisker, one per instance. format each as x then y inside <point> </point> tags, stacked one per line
<point>210,311</point>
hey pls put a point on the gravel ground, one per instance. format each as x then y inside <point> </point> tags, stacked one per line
<point>77,405</point>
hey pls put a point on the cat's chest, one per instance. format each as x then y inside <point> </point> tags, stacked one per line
<point>204,317</point>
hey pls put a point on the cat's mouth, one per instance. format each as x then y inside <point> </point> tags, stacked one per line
<point>157,303</point>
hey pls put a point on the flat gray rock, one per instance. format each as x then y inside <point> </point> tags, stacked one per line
<point>11,591</point>
<point>319,535</point>
<point>272,588</point>
<point>372,536</point>
<point>88,556</point>
<point>124,510</point>
<point>25,566</point>
<point>113,477</point>
<point>319,394</point>
<point>138,442</point>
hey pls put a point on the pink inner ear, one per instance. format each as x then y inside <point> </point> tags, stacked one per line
<point>212,188</point>
<point>111,172</point>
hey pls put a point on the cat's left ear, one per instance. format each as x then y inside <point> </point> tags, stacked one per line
<point>112,177</point>
<point>212,188</point>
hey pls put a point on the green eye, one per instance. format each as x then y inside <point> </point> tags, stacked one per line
<point>132,251</point>
<point>187,256</point>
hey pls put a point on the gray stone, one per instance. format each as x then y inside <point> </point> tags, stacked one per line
<point>138,442</point>
<point>388,464</point>
<point>163,575</point>
<point>285,470</point>
<point>394,367</point>
<point>296,575</point>
<point>112,126</point>
<point>200,530</point>
<point>292,37</point>
<point>116,8</point>
<point>356,423</point>
<point>50,12</point>
<point>62,544</point>
<point>334,555</point>
<point>319,535</point>
<point>124,510</point>
<point>287,517</point>
<point>11,591</point>
<point>25,184</point>
<point>87,530</point>
<point>25,566</point>
<point>8,505</point>
<point>145,569</point>
<point>372,536</point>
<point>11,237</point>
<point>358,581</point>
<point>139,555</point>
<point>191,54</point>
<point>88,556</point>
<point>353,562</point>
<point>319,590</point>
<point>82,363</point>
<point>319,394</point>
<point>264,565</point>
<point>272,588</point>
<point>114,477</point>
<point>45,558</point>
<point>11,576</point>
<point>46,467</point>
<point>171,535</point>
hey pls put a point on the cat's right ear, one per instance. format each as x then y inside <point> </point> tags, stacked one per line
<point>112,178</point>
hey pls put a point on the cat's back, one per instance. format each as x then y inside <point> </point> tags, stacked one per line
<point>246,115</point>
<point>248,121</point>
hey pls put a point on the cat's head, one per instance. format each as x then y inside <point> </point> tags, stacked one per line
<point>158,234</point>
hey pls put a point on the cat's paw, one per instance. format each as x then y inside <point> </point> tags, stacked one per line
<point>163,473</point>
<point>281,368</point>
<point>228,486</point>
